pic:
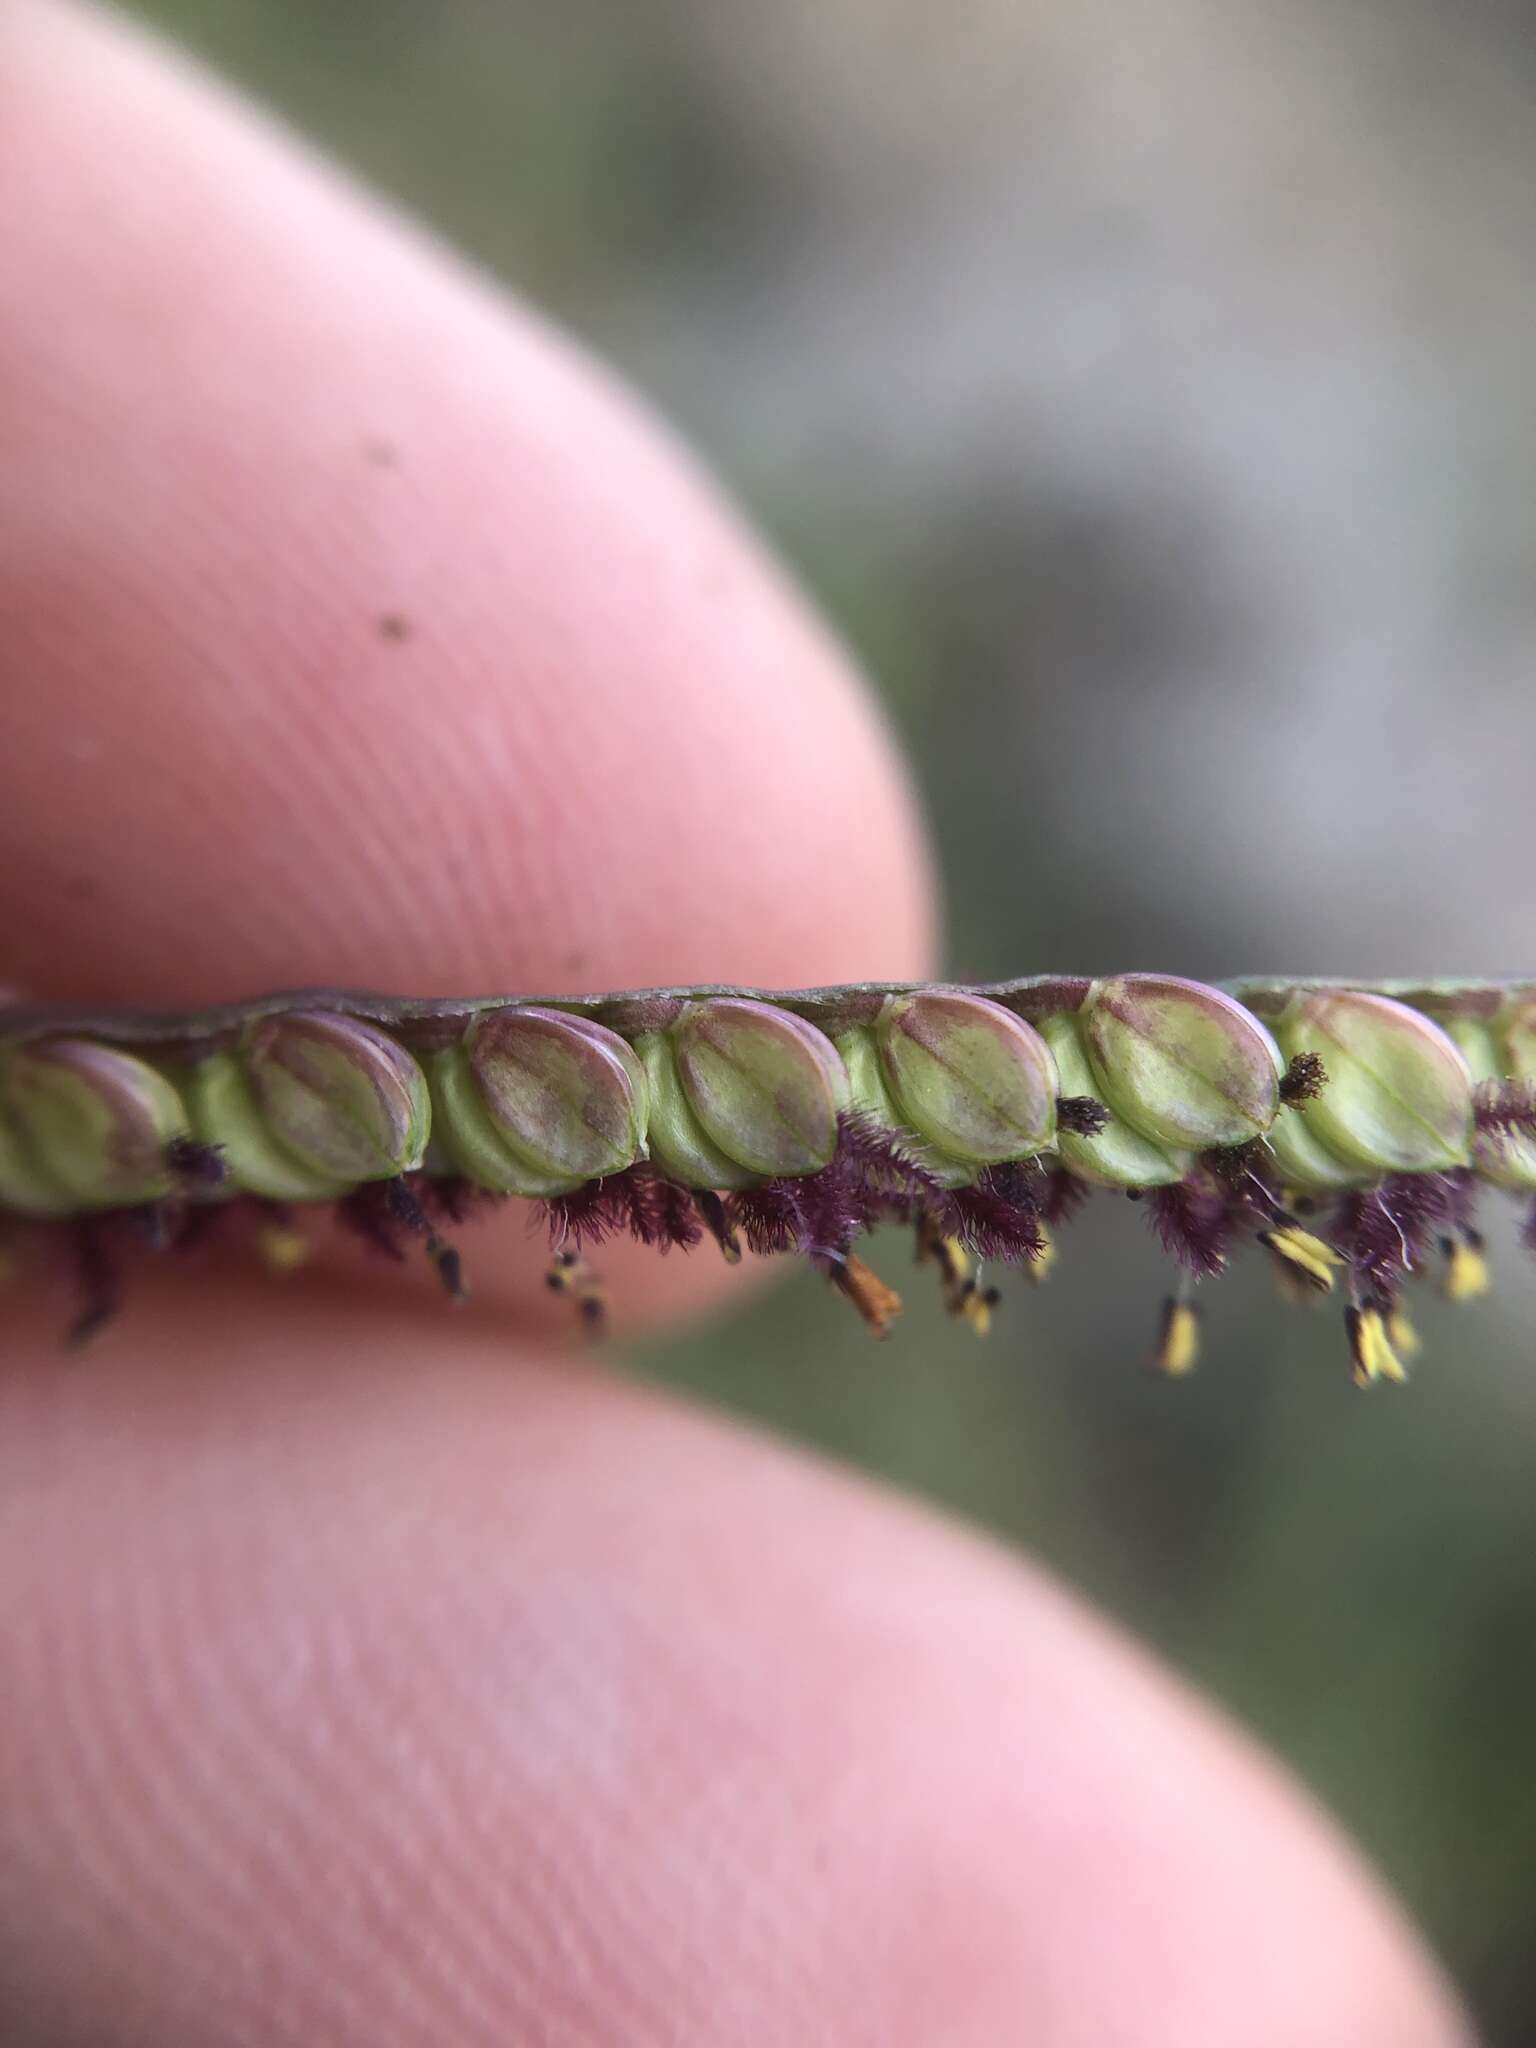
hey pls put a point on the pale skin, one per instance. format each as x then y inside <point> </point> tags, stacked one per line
<point>375,1674</point>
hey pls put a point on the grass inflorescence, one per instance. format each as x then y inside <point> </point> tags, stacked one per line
<point>1344,1132</point>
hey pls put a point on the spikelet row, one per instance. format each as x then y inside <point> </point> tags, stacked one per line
<point>795,1122</point>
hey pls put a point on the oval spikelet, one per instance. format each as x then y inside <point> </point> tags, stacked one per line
<point>1118,1156</point>
<point>1183,1063</point>
<point>765,1086</point>
<point>679,1144</point>
<point>566,1094</point>
<point>339,1096</point>
<point>92,1121</point>
<point>1398,1097</point>
<point>968,1076</point>
<point>1302,1162</point>
<point>226,1113</point>
<point>464,1135</point>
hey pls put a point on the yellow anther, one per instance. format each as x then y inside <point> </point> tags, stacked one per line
<point>1401,1334</point>
<point>1178,1341</point>
<point>283,1249</point>
<point>1310,1256</point>
<point>955,1266</point>
<point>1293,1286</point>
<point>570,1274</point>
<point>1039,1268</point>
<point>977,1306</point>
<point>1371,1352</point>
<point>878,1304</point>
<point>1466,1268</point>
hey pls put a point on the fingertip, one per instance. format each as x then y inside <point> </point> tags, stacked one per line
<point>366,1687</point>
<point>375,635</point>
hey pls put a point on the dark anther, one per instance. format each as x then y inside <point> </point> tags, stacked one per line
<point>718,1223</point>
<point>570,1274</point>
<point>450,1270</point>
<point>100,1290</point>
<point>379,1210</point>
<point>156,1222</point>
<point>561,1268</point>
<point>195,1165</point>
<point>1234,1165</point>
<point>1304,1079</point>
<point>1082,1114</point>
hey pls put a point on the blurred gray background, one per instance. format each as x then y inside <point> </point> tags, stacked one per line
<point>1146,393</point>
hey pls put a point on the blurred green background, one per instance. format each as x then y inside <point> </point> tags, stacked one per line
<point>1145,394</point>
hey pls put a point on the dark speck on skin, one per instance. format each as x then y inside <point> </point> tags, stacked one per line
<point>394,626</point>
<point>381,453</point>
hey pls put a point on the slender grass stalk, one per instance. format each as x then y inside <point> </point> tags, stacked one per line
<point>1345,1130</point>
